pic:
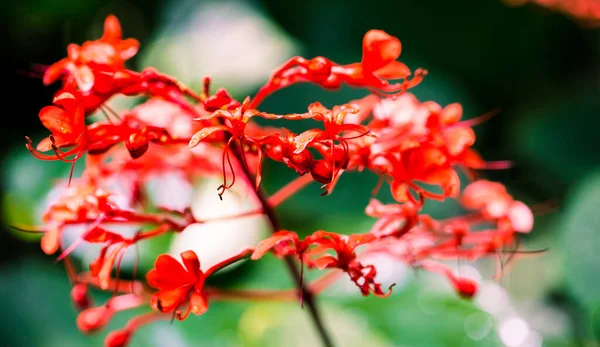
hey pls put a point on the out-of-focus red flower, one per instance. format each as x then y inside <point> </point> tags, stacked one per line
<point>312,251</point>
<point>107,54</point>
<point>495,203</point>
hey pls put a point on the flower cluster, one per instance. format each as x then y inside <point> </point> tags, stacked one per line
<point>416,148</point>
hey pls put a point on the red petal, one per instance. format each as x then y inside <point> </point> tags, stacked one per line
<point>84,78</point>
<point>447,179</point>
<point>51,241</point>
<point>112,29</point>
<point>169,300</point>
<point>458,139</point>
<point>359,239</point>
<point>426,159</point>
<point>202,134</point>
<point>317,107</point>
<point>171,273</point>
<point>393,70</point>
<point>191,262</point>
<point>57,120</point>
<point>98,235</point>
<point>281,236</point>
<point>127,48</point>
<point>325,262</point>
<point>479,193</point>
<point>46,144</point>
<point>54,71</point>
<point>107,265</point>
<point>118,338</point>
<point>451,113</point>
<point>521,217</point>
<point>153,278</point>
<point>472,159</point>
<point>198,303</point>
<point>376,209</point>
<point>399,191</point>
<point>379,50</point>
<point>306,138</point>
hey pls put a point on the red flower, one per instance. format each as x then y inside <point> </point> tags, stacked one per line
<point>66,122</point>
<point>81,203</point>
<point>108,53</point>
<point>283,149</point>
<point>495,203</point>
<point>327,171</point>
<point>312,251</point>
<point>180,285</point>
<point>394,219</point>
<point>234,122</point>
<point>378,65</point>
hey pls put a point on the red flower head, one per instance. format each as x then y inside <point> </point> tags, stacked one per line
<point>81,203</point>
<point>234,122</point>
<point>178,285</point>
<point>108,53</point>
<point>324,140</point>
<point>66,122</point>
<point>378,65</point>
<point>282,148</point>
<point>183,285</point>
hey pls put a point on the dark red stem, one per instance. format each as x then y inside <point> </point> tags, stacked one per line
<point>306,295</point>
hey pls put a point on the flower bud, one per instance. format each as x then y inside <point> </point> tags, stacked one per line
<point>322,171</point>
<point>465,287</point>
<point>80,297</point>
<point>118,338</point>
<point>93,319</point>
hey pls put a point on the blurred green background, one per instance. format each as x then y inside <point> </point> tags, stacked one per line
<point>538,67</point>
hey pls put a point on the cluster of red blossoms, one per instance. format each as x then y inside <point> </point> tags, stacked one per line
<point>416,148</point>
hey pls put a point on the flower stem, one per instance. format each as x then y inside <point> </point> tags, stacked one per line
<point>272,217</point>
<point>289,189</point>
